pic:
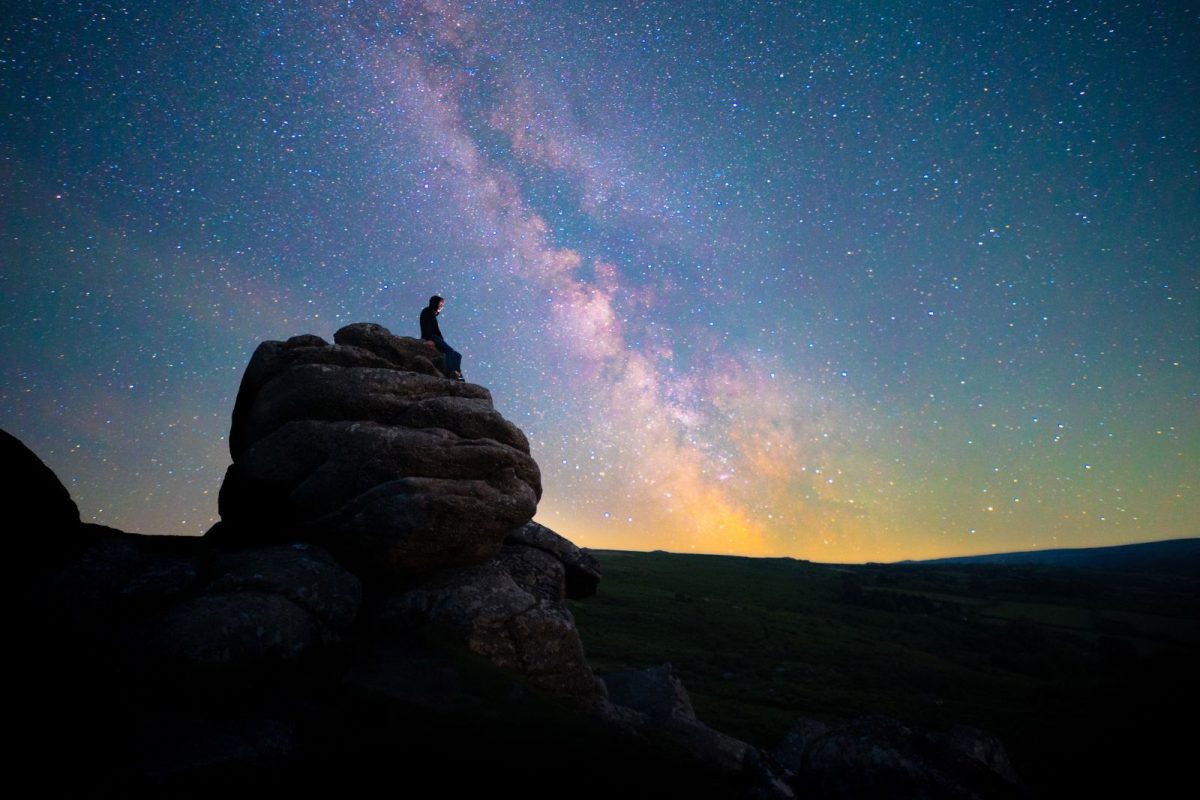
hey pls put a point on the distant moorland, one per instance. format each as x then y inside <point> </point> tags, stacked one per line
<point>1081,672</point>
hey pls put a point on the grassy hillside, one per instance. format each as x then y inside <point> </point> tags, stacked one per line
<point>1077,671</point>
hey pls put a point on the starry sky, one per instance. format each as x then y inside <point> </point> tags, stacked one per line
<point>843,281</point>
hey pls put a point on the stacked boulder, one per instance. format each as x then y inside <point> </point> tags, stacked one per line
<point>362,446</point>
<point>376,520</point>
<point>417,484</point>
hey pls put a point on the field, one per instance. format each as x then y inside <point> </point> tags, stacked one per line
<point>1083,674</point>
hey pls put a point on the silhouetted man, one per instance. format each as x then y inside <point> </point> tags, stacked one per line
<point>431,333</point>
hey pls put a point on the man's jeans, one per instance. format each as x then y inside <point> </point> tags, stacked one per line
<point>453,357</point>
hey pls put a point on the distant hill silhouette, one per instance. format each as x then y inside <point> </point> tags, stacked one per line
<point>1177,556</point>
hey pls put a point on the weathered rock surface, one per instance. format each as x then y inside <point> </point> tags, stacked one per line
<point>655,692</point>
<point>582,568</point>
<point>659,696</point>
<point>790,751</point>
<point>363,447</point>
<point>979,748</point>
<point>876,756</point>
<point>510,610</point>
<point>114,578</point>
<point>261,605</point>
<point>148,600</point>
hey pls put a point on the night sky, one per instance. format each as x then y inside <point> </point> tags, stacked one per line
<point>843,281</point>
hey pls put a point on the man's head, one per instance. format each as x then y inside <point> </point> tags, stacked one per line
<point>436,303</point>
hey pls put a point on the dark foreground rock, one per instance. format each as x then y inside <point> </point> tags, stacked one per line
<point>179,667</point>
<point>877,756</point>
<point>510,610</point>
<point>30,489</point>
<point>662,706</point>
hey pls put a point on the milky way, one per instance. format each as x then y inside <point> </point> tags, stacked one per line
<point>841,281</point>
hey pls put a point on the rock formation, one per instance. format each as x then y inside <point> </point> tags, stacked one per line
<point>376,601</point>
<point>376,557</point>
<point>361,446</point>
<point>416,482</point>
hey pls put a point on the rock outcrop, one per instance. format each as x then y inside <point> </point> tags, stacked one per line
<point>361,446</point>
<point>375,552</point>
<point>662,704</point>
